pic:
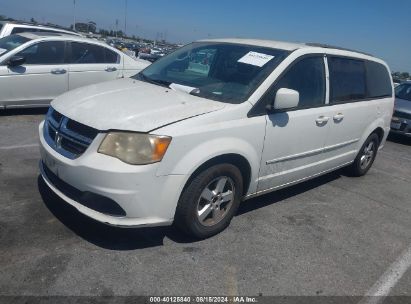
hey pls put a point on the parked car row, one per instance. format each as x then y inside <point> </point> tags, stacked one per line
<point>401,120</point>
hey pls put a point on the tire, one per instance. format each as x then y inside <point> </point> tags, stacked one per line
<point>365,157</point>
<point>209,201</point>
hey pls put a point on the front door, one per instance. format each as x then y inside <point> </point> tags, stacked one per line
<point>39,80</point>
<point>295,137</point>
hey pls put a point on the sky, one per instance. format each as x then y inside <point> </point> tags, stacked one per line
<point>379,27</point>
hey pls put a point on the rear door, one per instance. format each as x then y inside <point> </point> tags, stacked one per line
<point>295,138</point>
<point>353,107</point>
<point>42,78</point>
<point>92,63</point>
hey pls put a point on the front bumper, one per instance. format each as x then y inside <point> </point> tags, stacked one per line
<point>143,198</point>
<point>401,126</point>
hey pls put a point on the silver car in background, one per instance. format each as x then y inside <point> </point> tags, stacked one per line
<point>401,120</point>
<point>35,68</point>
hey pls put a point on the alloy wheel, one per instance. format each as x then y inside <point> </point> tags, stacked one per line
<point>215,201</point>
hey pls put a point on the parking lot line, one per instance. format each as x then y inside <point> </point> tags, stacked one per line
<point>19,147</point>
<point>389,279</point>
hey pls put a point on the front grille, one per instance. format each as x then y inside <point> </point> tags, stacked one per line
<point>68,137</point>
<point>404,115</point>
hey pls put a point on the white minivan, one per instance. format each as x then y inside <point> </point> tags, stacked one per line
<point>212,124</point>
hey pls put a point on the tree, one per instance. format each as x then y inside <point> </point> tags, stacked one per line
<point>32,20</point>
<point>405,75</point>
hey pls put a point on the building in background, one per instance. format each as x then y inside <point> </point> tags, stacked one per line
<point>89,27</point>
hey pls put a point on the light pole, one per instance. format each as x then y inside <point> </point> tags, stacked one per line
<point>74,15</point>
<point>125,19</point>
<point>116,27</point>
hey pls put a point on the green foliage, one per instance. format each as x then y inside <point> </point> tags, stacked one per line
<point>401,75</point>
<point>405,75</point>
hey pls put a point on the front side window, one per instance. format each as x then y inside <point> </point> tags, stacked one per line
<point>219,71</point>
<point>111,56</point>
<point>48,52</point>
<point>307,77</point>
<point>347,79</point>
<point>11,42</point>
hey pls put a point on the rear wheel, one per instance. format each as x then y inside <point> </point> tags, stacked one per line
<point>209,201</point>
<point>366,156</point>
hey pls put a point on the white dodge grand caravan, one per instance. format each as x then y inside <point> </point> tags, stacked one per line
<point>214,123</point>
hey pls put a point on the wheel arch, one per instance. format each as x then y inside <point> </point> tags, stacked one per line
<point>380,132</point>
<point>229,158</point>
<point>376,127</point>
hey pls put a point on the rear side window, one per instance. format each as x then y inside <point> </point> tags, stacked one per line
<point>18,30</point>
<point>49,52</point>
<point>347,79</point>
<point>378,80</point>
<point>82,53</point>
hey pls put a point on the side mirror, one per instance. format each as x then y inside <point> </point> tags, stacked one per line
<point>16,61</point>
<point>286,99</point>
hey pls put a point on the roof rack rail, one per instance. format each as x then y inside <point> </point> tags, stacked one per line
<point>327,46</point>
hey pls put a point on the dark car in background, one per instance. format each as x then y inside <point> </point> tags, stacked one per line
<point>401,120</point>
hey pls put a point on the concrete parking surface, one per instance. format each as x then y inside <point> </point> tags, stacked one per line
<point>335,235</point>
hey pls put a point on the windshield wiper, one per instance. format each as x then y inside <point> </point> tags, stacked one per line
<point>159,82</point>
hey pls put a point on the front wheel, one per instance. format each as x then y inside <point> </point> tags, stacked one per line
<point>366,156</point>
<point>209,201</point>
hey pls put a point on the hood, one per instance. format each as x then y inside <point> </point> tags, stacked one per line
<point>402,105</point>
<point>133,105</point>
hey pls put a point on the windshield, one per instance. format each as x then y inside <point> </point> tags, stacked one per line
<point>218,71</point>
<point>403,91</point>
<point>11,42</point>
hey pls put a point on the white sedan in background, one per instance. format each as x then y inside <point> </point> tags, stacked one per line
<point>37,67</point>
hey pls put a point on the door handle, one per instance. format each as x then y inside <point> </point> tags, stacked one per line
<point>58,71</point>
<point>111,69</point>
<point>322,120</point>
<point>338,117</point>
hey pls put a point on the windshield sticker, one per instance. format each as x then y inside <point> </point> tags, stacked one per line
<point>2,51</point>
<point>182,88</point>
<point>254,58</point>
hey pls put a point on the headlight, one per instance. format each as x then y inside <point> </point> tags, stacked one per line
<point>135,148</point>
